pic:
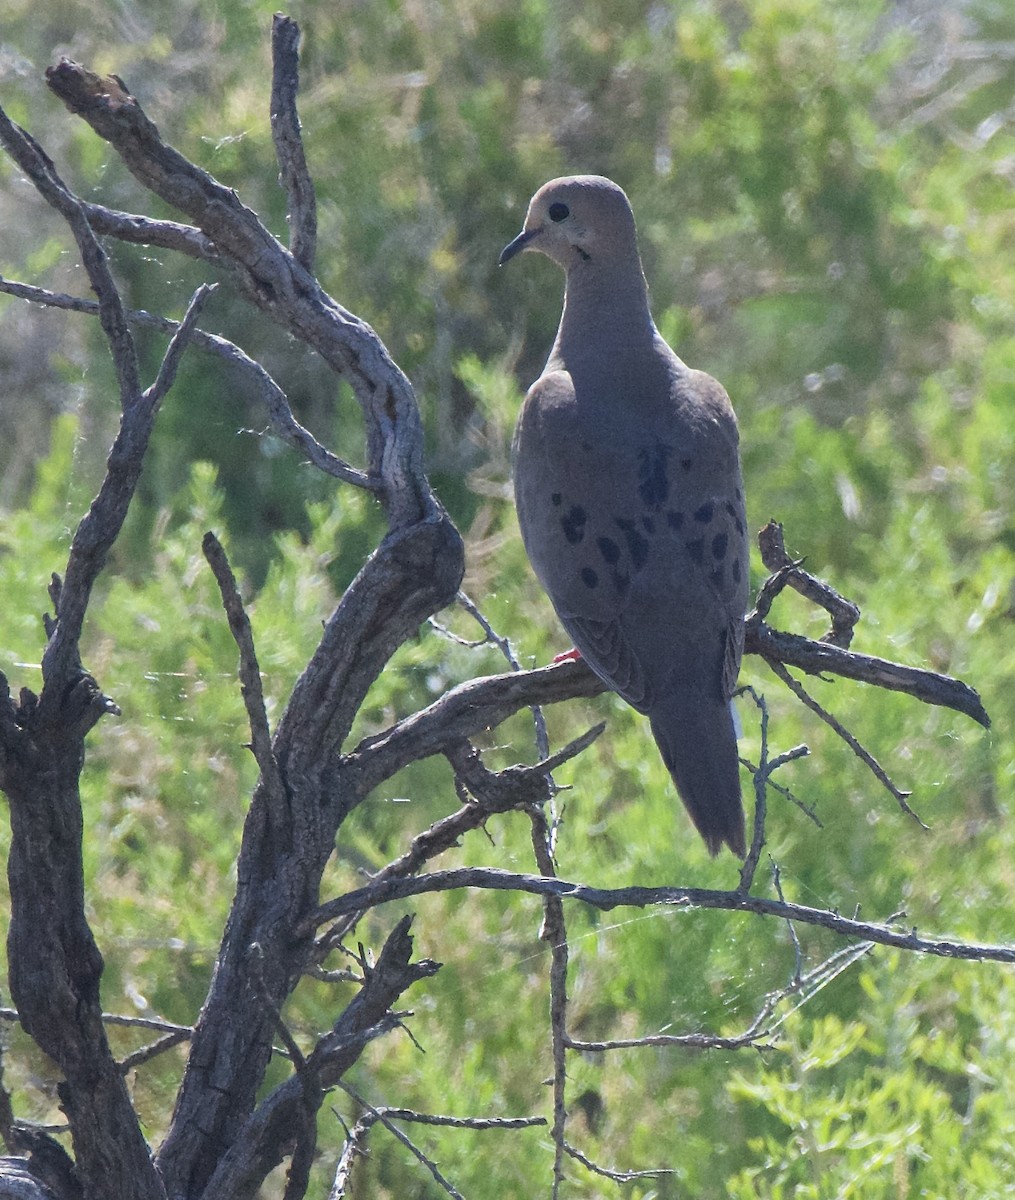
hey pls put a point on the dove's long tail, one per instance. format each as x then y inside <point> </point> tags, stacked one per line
<point>699,746</point>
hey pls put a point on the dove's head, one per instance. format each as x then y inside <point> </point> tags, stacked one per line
<point>578,219</point>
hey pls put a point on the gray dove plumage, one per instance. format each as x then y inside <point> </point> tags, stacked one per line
<point>630,500</point>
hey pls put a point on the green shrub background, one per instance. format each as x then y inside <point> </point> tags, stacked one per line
<point>821,231</point>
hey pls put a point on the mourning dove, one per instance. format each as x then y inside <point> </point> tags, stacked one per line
<point>630,500</point>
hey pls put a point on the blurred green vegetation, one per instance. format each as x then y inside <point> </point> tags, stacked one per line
<point>824,194</point>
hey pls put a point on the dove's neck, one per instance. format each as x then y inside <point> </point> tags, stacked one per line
<point>606,323</point>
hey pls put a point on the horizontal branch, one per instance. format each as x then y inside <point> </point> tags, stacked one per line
<point>821,658</point>
<point>489,878</point>
<point>463,712</point>
<point>356,1138</point>
<point>150,231</point>
<point>608,1173</point>
<point>438,1119</point>
<point>484,703</point>
<point>155,1024</point>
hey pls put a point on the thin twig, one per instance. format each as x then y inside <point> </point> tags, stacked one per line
<point>442,1120</point>
<point>616,1176</point>
<point>762,1028</point>
<point>798,954</point>
<point>554,933</point>
<point>283,423</point>
<point>427,1162</point>
<point>178,343</point>
<point>787,794</point>
<point>155,1024</point>
<point>354,1139</point>
<point>250,682</point>
<point>503,644</point>
<point>490,636</point>
<point>325,976</point>
<point>789,572</point>
<point>762,775</point>
<point>685,1041</point>
<point>850,739</point>
<point>760,779</point>
<point>753,1036</point>
<point>153,1050</point>
<point>805,987</point>
<point>356,1136</point>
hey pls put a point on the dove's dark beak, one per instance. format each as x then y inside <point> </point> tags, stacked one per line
<point>517,246</point>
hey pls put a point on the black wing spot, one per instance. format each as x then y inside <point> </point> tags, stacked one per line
<point>719,544</point>
<point>696,549</point>
<point>637,543</point>
<point>609,549</point>
<point>589,577</point>
<point>655,485</point>
<point>705,513</point>
<point>687,463</point>
<point>735,514</point>
<point>555,498</point>
<point>674,519</point>
<point>573,523</point>
<point>735,570</point>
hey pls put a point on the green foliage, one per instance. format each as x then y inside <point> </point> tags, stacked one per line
<point>847,1120</point>
<point>842,261</point>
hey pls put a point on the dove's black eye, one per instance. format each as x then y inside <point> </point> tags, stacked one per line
<point>558,211</point>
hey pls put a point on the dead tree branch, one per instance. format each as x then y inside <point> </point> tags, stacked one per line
<point>415,571</point>
<point>272,279</point>
<point>285,129</point>
<point>269,1131</point>
<point>55,965</point>
<point>829,656</point>
<point>606,899</point>
<point>282,421</point>
<point>225,1135</point>
<point>356,1137</point>
<point>250,680</point>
